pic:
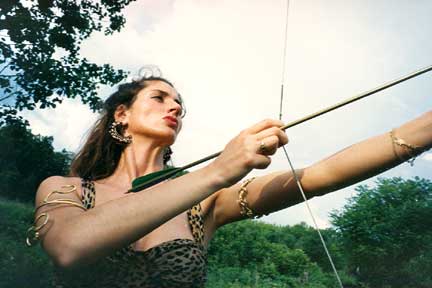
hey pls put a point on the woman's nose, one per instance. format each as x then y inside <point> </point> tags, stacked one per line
<point>174,106</point>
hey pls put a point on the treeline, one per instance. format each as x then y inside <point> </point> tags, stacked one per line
<point>27,159</point>
<point>381,238</point>
<point>255,254</point>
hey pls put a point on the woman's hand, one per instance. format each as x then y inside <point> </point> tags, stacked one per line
<point>249,150</point>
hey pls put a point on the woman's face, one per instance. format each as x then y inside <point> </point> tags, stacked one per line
<point>156,113</point>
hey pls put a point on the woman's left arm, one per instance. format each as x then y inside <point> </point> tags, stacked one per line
<point>353,164</point>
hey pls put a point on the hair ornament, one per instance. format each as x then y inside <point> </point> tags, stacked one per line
<point>148,72</point>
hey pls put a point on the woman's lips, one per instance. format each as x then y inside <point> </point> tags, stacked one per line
<point>171,121</point>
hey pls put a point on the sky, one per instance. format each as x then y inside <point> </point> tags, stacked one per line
<point>226,59</point>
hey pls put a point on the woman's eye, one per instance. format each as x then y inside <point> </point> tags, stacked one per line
<point>158,98</point>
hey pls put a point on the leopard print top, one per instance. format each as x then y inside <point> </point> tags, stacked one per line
<point>174,263</point>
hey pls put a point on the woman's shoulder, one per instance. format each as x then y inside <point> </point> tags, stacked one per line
<point>57,180</point>
<point>59,183</point>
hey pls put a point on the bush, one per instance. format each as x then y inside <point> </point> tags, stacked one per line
<point>20,266</point>
<point>27,159</point>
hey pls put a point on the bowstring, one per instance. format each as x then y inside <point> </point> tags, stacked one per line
<point>297,180</point>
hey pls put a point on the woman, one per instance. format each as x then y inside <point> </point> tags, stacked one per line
<point>92,228</point>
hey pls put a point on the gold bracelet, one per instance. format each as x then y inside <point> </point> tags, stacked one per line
<point>245,210</point>
<point>33,232</point>
<point>412,150</point>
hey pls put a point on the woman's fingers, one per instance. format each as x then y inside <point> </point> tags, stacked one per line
<point>267,135</point>
<point>264,124</point>
<point>273,131</point>
<point>250,150</point>
<point>263,162</point>
<point>268,145</point>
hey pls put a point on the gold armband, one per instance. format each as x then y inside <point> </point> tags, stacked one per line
<point>33,232</point>
<point>245,210</point>
<point>412,150</point>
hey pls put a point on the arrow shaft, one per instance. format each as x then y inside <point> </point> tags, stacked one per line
<point>161,178</point>
<point>356,98</point>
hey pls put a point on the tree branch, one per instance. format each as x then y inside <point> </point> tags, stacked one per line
<point>5,67</point>
<point>8,96</point>
<point>15,44</point>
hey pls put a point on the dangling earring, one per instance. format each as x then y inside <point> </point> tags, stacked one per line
<point>167,155</point>
<point>113,131</point>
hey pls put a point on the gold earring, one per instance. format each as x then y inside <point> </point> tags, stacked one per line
<point>113,131</point>
<point>167,154</point>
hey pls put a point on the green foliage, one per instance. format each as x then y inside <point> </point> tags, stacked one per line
<point>40,63</point>
<point>27,159</point>
<point>307,239</point>
<point>386,233</point>
<point>20,266</point>
<point>235,277</point>
<point>270,254</point>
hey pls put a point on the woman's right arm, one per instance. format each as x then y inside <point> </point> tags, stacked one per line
<point>73,236</point>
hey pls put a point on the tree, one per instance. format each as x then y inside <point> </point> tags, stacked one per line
<point>307,239</point>
<point>25,160</point>
<point>269,253</point>
<point>386,232</point>
<point>40,63</point>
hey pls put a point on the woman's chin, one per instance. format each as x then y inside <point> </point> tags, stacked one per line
<point>168,138</point>
<point>165,137</point>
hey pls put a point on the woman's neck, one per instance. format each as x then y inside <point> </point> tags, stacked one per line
<point>137,159</point>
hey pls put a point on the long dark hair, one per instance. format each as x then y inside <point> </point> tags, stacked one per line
<point>99,156</point>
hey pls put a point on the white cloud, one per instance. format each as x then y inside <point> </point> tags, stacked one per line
<point>298,214</point>
<point>68,123</point>
<point>427,157</point>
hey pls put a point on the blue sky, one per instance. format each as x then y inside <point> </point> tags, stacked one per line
<point>225,57</point>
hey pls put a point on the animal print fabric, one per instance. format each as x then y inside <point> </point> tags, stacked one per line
<point>175,263</point>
